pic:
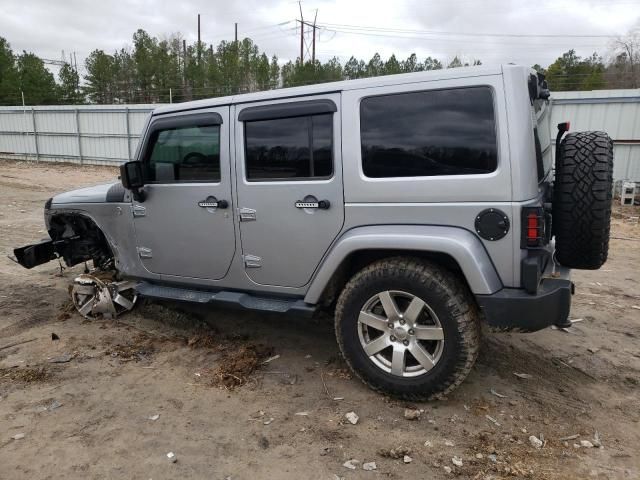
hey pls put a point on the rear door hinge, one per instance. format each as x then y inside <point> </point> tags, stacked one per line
<point>252,261</point>
<point>139,211</point>
<point>247,214</point>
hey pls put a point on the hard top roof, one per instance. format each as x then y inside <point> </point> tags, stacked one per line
<point>316,89</point>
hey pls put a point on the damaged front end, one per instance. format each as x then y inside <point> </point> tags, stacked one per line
<point>75,238</point>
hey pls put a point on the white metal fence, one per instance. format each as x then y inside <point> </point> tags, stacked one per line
<point>92,134</point>
<point>109,134</point>
<point>616,112</point>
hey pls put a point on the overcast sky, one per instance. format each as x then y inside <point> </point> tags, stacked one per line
<point>438,28</point>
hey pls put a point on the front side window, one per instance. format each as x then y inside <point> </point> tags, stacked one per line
<point>294,148</point>
<point>185,154</point>
<point>429,133</point>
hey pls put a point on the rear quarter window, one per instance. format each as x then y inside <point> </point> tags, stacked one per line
<point>429,133</point>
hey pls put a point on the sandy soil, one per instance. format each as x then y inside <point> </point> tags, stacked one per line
<point>91,416</point>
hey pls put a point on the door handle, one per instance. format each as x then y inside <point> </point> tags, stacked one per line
<point>321,204</point>
<point>213,202</point>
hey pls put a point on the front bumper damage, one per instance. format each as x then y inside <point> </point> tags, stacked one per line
<point>36,254</point>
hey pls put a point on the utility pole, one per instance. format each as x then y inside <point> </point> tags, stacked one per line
<point>301,34</point>
<point>236,37</point>
<point>199,49</point>
<point>313,51</point>
<point>313,27</point>
<point>185,88</point>
<point>184,61</point>
<point>75,61</point>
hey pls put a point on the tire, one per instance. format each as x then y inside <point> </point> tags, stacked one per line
<point>448,303</point>
<point>582,199</point>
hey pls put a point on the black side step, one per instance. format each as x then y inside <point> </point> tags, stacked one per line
<point>227,299</point>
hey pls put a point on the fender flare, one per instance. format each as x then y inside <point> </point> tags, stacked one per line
<point>462,245</point>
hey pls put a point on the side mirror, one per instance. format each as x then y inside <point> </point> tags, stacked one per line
<point>132,179</point>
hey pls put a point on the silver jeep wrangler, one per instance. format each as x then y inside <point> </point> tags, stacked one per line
<point>413,206</point>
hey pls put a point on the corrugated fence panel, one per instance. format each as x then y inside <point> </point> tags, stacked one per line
<point>58,145</point>
<point>616,112</point>
<point>137,120</point>
<point>12,143</point>
<point>106,148</point>
<point>96,134</point>
<point>15,121</point>
<point>106,123</point>
<point>55,122</point>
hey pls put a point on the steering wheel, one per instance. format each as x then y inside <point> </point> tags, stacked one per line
<point>194,158</point>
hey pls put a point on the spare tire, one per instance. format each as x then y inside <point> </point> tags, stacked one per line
<point>582,199</point>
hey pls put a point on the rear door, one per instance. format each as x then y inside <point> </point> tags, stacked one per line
<point>184,227</point>
<point>289,182</point>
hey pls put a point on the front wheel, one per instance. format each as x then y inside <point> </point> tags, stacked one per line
<point>408,328</point>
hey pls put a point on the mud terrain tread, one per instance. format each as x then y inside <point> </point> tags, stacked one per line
<point>582,203</point>
<point>459,303</point>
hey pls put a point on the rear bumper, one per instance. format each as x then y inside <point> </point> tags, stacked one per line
<point>516,309</point>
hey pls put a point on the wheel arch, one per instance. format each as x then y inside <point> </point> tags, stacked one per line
<point>115,222</point>
<point>455,248</point>
<point>92,242</point>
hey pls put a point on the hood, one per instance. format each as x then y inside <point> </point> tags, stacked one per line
<point>95,194</point>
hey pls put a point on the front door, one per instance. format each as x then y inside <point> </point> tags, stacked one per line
<point>184,227</point>
<point>289,180</point>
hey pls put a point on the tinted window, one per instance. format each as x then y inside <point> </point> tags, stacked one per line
<point>289,148</point>
<point>185,154</point>
<point>439,132</point>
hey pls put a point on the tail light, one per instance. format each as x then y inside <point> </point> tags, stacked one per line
<point>533,227</point>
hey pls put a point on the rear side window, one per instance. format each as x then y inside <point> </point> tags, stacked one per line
<point>289,148</point>
<point>430,133</point>
<point>185,154</point>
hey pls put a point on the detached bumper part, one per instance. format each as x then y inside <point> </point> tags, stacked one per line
<point>33,255</point>
<point>516,309</point>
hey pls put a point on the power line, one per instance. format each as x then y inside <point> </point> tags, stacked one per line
<point>337,26</point>
<point>272,26</point>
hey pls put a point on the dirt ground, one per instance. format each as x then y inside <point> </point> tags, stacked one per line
<point>175,378</point>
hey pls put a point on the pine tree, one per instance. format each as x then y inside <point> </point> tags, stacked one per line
<point>69,88</point>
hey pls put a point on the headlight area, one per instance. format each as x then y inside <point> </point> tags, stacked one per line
<point>74,237</point>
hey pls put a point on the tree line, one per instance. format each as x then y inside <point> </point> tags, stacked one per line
<point>156,70</point>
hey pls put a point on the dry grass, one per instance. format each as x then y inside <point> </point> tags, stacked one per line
<point>23,375</point>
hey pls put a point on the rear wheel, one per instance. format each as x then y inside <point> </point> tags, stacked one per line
<point>408,328</point>
<point>582,199</point>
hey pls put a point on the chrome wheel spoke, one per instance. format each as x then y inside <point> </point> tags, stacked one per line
<point>389,306</point>
<point>372,320</point>
<point>413,311</point>
<point>86,308</point>
<point>397,361</point>
<point>123,301</point>
<point>376,345</point>
<point>422,357</point>
<point>428,333</point>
